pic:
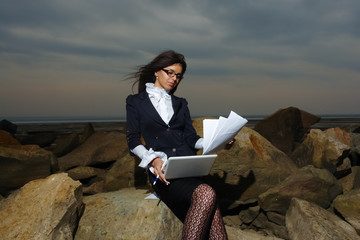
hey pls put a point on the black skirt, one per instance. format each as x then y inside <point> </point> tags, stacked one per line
<point>177,195</point>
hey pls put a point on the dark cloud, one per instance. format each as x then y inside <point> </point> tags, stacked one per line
<point>257,45</point>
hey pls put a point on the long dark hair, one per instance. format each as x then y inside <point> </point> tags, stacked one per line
<point>146,73</point>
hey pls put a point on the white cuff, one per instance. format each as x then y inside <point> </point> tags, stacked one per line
<point>199,143</point>
<point>147,156</point>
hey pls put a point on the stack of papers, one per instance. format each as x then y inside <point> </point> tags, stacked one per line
<point>219,132</point>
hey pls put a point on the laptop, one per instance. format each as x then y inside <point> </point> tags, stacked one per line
<point>189,166</point>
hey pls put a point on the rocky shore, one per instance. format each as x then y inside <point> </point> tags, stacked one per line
<point>291,175</point>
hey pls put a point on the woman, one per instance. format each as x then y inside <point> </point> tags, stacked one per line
<point>164,121</point>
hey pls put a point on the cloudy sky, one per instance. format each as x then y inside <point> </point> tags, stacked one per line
<point>69,58</point>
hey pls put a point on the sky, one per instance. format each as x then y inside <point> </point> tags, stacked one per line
<point>70,58</point>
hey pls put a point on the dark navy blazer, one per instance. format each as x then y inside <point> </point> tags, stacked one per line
<point>176,139</point>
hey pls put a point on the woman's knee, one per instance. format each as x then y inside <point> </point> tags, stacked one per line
<point>205,192</point>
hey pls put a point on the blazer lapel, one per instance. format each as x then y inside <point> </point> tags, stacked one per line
<point>149,108</point>
<point>176,105</point>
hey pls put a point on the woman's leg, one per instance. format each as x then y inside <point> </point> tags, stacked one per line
<point>203,219</point>
<point>217,230</point>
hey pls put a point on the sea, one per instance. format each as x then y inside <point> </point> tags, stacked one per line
<point>65,125</point>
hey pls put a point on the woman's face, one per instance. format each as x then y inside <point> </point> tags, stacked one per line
<point>168,77</point>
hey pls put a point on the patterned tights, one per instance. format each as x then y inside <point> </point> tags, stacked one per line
<point>203,220</point>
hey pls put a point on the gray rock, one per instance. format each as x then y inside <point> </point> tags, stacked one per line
<point>306,220</point>
<point>309,183</point>
<point>348,205</point>
<point>42,209</point>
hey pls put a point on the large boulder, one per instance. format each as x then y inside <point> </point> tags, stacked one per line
<point>99,148</point>
<point>306,220</point>
<point>21,164</point>
<point>42,209</point>
<point>125,214</point>
<point>322,149</point>
<point>309,183</point>
<point>249,168</point>
<point>348,205</point>
<point>286,127</point>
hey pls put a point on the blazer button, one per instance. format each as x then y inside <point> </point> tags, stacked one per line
<point>174,149</point>
<point>168,129</point>
<point>156,137</point>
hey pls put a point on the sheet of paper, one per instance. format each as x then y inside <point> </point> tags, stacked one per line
<point>216,136</point>
<point>152,196</point>
<point>209,126</point>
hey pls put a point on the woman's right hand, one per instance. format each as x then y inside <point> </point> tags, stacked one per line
<point>157,164</point>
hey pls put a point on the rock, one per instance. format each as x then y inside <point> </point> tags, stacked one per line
<point>355,149</point>
<point>306,220</point>
<point>238,234</point>
<point>309,183</point>
<point>276,218</point>
<point>125,214</point>
<point>286,127</point>
<point>351,180</point>
<point>248,215</point>
<point>99,148</point>
<point>87,132</point>
<point>8,126</point>
<point>348,206</point>
<point>42,139</point>
<point>232,220</point>
<point>321,150</point>
<point>66,144</point>
<point>339,135</point>
<point>249,168</point>
<point>122,174</point>
<point>84,173</point>
<point>42,209</point>
<point>21,164</point>
<point>6,139</point>
<point>269,227</point>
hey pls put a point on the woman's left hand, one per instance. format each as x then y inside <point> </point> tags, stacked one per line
<point>230,144</point>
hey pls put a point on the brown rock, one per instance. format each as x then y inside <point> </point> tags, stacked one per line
<point>309,183</point>
<point>66,144</point>
<point>21,164</point>
<point>238,234</point>
<point>306,220</point>
<point>99,148</point>
<point>125,214</point>
<point>81,173</point>
<point>348,205</point>
<point>7,139</point>
<point>42,209</point>
<point>321,150</point>
<point>269,227</point>
<point>249,168</point>
<point>286,127</point>
<point>122,174</point>
<point>87,132</point>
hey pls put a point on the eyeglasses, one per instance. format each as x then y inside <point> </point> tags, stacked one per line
<point>171,74</point>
